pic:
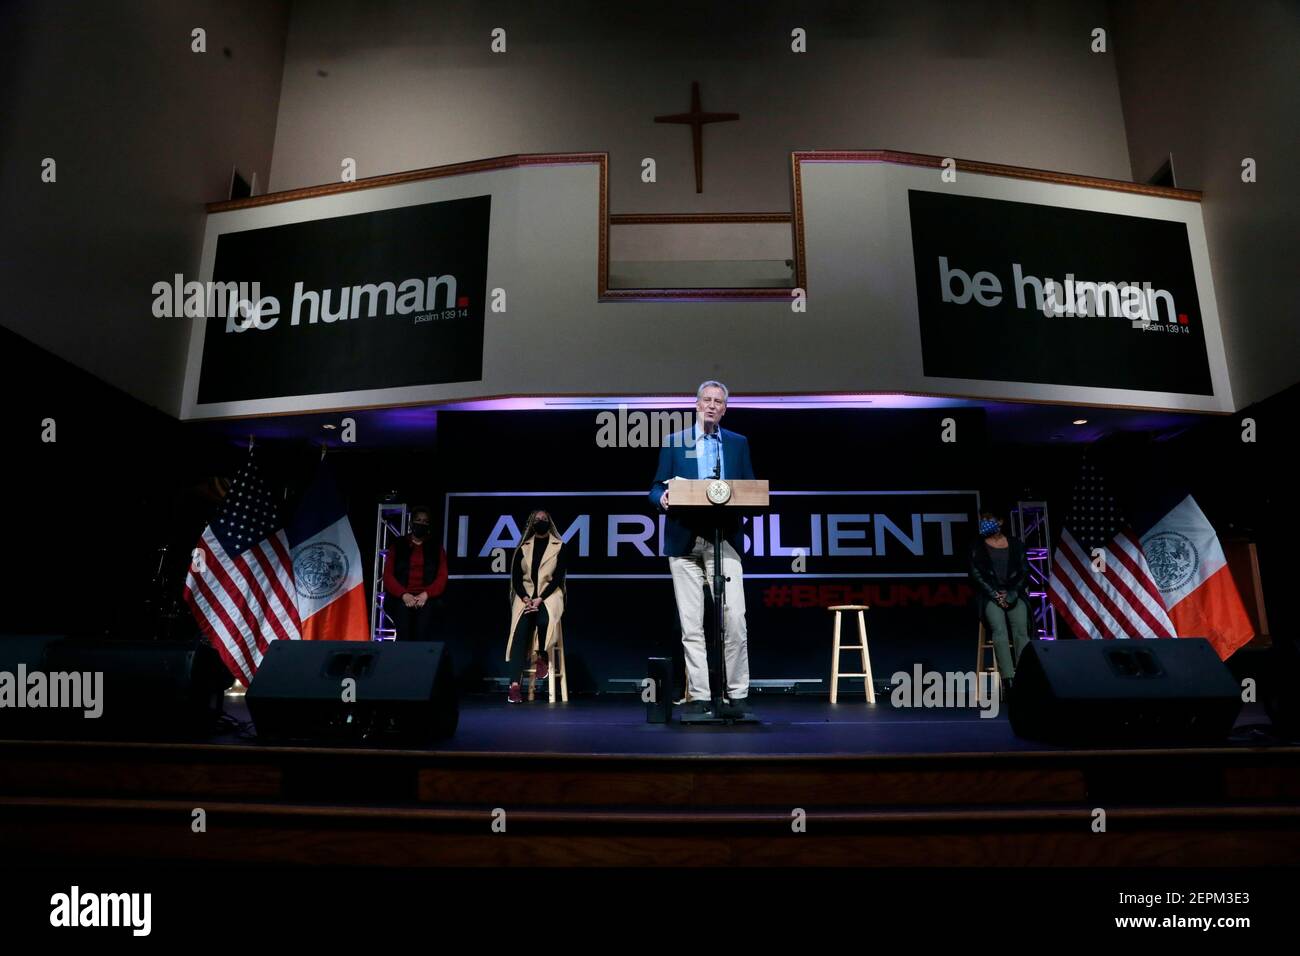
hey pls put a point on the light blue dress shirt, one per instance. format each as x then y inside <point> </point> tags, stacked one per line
<point>708,450</point>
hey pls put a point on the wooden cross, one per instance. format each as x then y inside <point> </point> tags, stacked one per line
<point>696,119</point>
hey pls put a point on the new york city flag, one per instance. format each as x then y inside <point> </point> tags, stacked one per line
<point>327,565</point>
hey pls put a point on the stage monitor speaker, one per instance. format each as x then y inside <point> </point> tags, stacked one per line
<point>354,691</point>
<point>1280,689</point>
<point>20,656</point>
<point>659,709</point>
<point>1123,691</point>
<point>25,649</point>
<point>119,689</point>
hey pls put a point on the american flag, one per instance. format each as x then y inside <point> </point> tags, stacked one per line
<point>240,584</point>
<point>1122,600</point>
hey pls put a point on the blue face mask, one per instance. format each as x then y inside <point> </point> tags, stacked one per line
<point>988,528</point>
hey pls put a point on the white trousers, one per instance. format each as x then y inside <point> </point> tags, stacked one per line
<point>691,574</point>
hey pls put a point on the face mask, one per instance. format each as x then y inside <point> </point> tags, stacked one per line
<point>542,527</point>
<point>989,528</point>
<point>420,530</point>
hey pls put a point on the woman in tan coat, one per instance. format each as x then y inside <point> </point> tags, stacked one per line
<point>537,598</point>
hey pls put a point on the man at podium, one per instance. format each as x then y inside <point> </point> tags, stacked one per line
<point>706,451</point>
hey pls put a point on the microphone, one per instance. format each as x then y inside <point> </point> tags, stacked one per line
<point>717,460</point>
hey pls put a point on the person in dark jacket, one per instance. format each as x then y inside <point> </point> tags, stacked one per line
<point>707,450</point>
<point>999,566</point>
<point>415,575</point>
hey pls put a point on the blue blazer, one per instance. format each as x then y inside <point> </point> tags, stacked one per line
<point>675,461</point>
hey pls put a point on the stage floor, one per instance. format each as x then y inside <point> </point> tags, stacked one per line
<point>591,783</point>
<point>790,726</point>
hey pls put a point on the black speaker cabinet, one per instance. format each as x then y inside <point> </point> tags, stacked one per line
<point>1123,692</point>
<point>660,709</point>
<point>20,656</point>
<point>129,689</point>
<point>1280,689</point>
<point>354,692</point>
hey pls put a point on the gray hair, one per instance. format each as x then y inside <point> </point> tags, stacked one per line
<point>711,384</point>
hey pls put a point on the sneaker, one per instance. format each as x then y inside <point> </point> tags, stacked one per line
<point>543,668</point>
<point>742,704</point>
<point>516,695</point>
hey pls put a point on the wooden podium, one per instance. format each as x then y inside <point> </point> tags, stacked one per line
<point>716,500</point>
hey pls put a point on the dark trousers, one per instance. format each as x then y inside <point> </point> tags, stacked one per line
<point>1014,619</point>
<point>412,623</point>
<point>537,622</point>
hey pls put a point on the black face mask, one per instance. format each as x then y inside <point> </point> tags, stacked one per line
<point>420,530</point>
<point>542,527</point>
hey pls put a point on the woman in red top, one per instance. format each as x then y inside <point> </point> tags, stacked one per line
<point>414,575</point>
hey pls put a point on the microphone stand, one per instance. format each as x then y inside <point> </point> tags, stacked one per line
<point>723,710</point>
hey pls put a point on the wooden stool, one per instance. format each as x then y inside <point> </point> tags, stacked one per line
<point>986,647</point>
<point>556,670</point>
<point>991,668</point>
<point>837,610</point>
